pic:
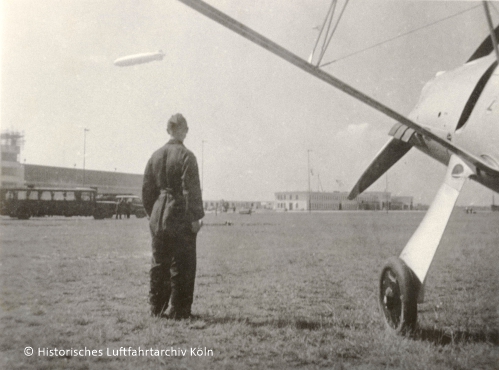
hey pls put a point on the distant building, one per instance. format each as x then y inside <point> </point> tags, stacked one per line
<point>104,181</point>
<point>335,201</point>
<point>12,171</point>
<point>15,174</point>
<point>231,205</point>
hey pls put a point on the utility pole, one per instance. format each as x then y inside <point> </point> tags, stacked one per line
<point>319,184</point>
<point>308,161</point>
<point>202,164</point>
<point>386,192</point>
<point>85,130</point>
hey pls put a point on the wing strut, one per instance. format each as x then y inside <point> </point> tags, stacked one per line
<point>285,54</point>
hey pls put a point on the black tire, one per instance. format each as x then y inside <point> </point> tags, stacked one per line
<point>99,214</point>
<point>398,294</point>
<point>140,214</point>
<point>23,214</point>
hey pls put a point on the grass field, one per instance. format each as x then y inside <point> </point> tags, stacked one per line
<point>274,290</point>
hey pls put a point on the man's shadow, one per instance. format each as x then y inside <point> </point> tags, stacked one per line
<point>298,323</point>
<point>432,335</point>
<point>444,337</point>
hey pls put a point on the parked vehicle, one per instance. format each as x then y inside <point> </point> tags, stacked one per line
<point>136,205</point>
<point>24,203</point>
<point>245,211</point>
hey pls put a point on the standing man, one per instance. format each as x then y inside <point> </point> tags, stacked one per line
<point>171,194</point>
<point>128,207</point>
<point>119,208</point>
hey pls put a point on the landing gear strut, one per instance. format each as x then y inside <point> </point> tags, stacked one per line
<point>398,293</point>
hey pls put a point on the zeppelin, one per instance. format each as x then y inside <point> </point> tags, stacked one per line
<point>131,60</point>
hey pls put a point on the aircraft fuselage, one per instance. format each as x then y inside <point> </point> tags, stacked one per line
<point>462,106</point>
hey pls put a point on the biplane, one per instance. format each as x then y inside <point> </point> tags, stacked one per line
<point>456,122</point>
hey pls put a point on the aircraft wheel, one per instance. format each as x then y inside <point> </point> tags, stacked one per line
<point>398,291</point>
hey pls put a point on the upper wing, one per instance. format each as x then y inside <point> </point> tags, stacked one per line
<point>285,54</point>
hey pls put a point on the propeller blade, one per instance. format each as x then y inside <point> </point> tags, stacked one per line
<point>485,47</point>
<point>386,158</point>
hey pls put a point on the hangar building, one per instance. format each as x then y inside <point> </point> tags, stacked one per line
<point>336,201</point>
<point>105,182</point>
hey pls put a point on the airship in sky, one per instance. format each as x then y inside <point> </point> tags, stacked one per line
<point>131,60</point>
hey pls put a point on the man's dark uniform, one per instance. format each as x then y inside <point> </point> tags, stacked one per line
<point>172,175</point>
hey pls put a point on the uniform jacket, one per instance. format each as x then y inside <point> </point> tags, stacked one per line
<point>172,174</point>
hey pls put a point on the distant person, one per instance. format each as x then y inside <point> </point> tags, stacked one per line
<point>171,194</point>
<point>128,208</point>
<point>119,208</point>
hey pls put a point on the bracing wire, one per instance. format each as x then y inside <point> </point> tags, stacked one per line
<point>331,15</point>
<point>332,32</point>
<point>494,6</point>
<point>399,36</point>
<point>322,28</point>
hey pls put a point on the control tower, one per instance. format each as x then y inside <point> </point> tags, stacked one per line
<point>12,171</point>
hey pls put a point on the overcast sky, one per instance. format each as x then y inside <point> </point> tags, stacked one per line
<point>257,114</point>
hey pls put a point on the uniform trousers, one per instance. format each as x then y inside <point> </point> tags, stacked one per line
<point>173,273</point>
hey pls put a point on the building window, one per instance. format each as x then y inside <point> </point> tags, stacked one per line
<point>9,171</point>
<point>9,157</point>
<point>7,184</point>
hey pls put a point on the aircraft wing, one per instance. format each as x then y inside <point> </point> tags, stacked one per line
<point>255,37</point>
